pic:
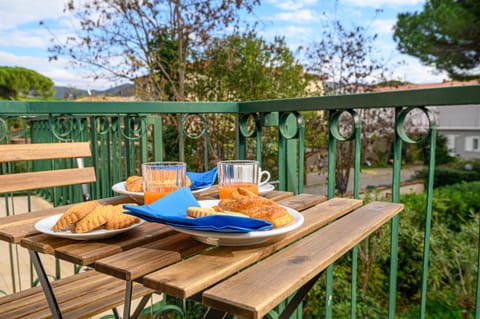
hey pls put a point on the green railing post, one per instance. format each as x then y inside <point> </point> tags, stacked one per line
<point>94,149</point>
<point>357,134</point>
<point>397,159</point>
<point>477,298</point>
<point>428,216</point>
<point>155,121</point>
<point>332,165</point>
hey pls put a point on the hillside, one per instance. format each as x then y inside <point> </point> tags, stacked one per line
<point>62,92</point>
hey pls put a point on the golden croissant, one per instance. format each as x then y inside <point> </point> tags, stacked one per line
<point>247,203</point>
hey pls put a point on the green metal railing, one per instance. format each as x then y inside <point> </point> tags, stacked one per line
<point>125,134</point>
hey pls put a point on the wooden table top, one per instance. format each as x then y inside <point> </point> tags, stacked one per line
<point>166,260</point>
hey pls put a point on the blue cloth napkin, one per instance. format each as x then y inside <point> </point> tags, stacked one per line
<point>202,180</point>
<point>172,210</point>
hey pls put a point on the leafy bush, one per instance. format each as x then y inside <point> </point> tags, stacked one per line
<point>454,248</point>
<point>452,270</point>
<point>462,171</point>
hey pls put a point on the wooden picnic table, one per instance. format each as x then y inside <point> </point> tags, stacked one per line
<point>166,261</point>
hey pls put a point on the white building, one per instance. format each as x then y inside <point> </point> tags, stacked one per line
<point>460,124</point>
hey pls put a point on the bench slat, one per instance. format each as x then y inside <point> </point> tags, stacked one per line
<point>34,180</point>
<point>43,151</point>
<point>257,290</point>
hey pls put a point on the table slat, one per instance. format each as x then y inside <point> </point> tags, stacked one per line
<point>133,263</point>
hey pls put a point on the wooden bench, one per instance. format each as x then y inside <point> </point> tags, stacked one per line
<point>77,296</point>
<point>297,267</point>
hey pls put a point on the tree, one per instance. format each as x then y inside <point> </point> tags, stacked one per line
<point>445,34</point>
<point>127,39</point>
<point>245,67</point>
<point>18,82</point>
<point>241,67</point>
<point>345,60</point>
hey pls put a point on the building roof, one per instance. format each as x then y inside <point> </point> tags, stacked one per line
<point>410,86</point>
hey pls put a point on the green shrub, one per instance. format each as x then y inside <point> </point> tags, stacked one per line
<point>452,261</point>
<point>462,171</point>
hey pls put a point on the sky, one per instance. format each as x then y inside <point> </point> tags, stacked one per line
<point>24,42</point>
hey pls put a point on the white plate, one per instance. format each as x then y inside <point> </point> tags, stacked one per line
<point>138,196</point>
<point>262,190</point>
<point>241,239</point>
<point>46,226</point>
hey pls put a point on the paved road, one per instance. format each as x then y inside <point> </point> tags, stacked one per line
<point>317,183</point>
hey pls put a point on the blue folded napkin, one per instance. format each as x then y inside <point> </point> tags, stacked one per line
<point>172,210</point>
<point>202,180</point>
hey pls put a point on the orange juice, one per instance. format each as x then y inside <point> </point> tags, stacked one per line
<point>226,189</point>
<point>159,192</point>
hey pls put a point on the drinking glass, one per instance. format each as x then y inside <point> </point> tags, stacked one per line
<point>237,173</point>
<point>162,178</point>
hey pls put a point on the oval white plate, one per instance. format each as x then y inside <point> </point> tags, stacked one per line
<point>138,196</point>
<point>46,226</point>
<point>241,239</point>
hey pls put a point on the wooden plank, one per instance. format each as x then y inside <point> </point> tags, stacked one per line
<point>193,275</point>
<point>35,180</point>
<point>302,201</point>
<point>136,262</point>
<point>14,228</point>
<point>278,195</point>
<point>41,151</point>
<point>282,274</point>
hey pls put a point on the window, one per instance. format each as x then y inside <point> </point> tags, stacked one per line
<point>451,144</point>
<point>472,143</point>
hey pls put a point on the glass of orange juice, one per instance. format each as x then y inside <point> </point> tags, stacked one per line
<point>237,173</point>
<point>162,178</point>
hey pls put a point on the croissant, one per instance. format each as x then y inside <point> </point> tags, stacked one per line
<point>255,206</point>
<point>134,184</point>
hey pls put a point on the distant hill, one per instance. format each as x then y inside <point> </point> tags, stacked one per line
<point>62,92</point>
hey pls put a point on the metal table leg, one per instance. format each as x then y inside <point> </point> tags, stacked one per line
<point>47,288</point>
<point>295,301</point>
<point>128,299</point>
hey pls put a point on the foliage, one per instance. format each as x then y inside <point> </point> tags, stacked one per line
<point>445,34</point>
<point>452,270</point>
<point>127,39</point>
<point>453,173</point>
<point>18,83</point>
<point>454,264</point>
<point>442,155</point>
<point>454,240</point>
<point>345,58</point>
<point>243,67</point>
